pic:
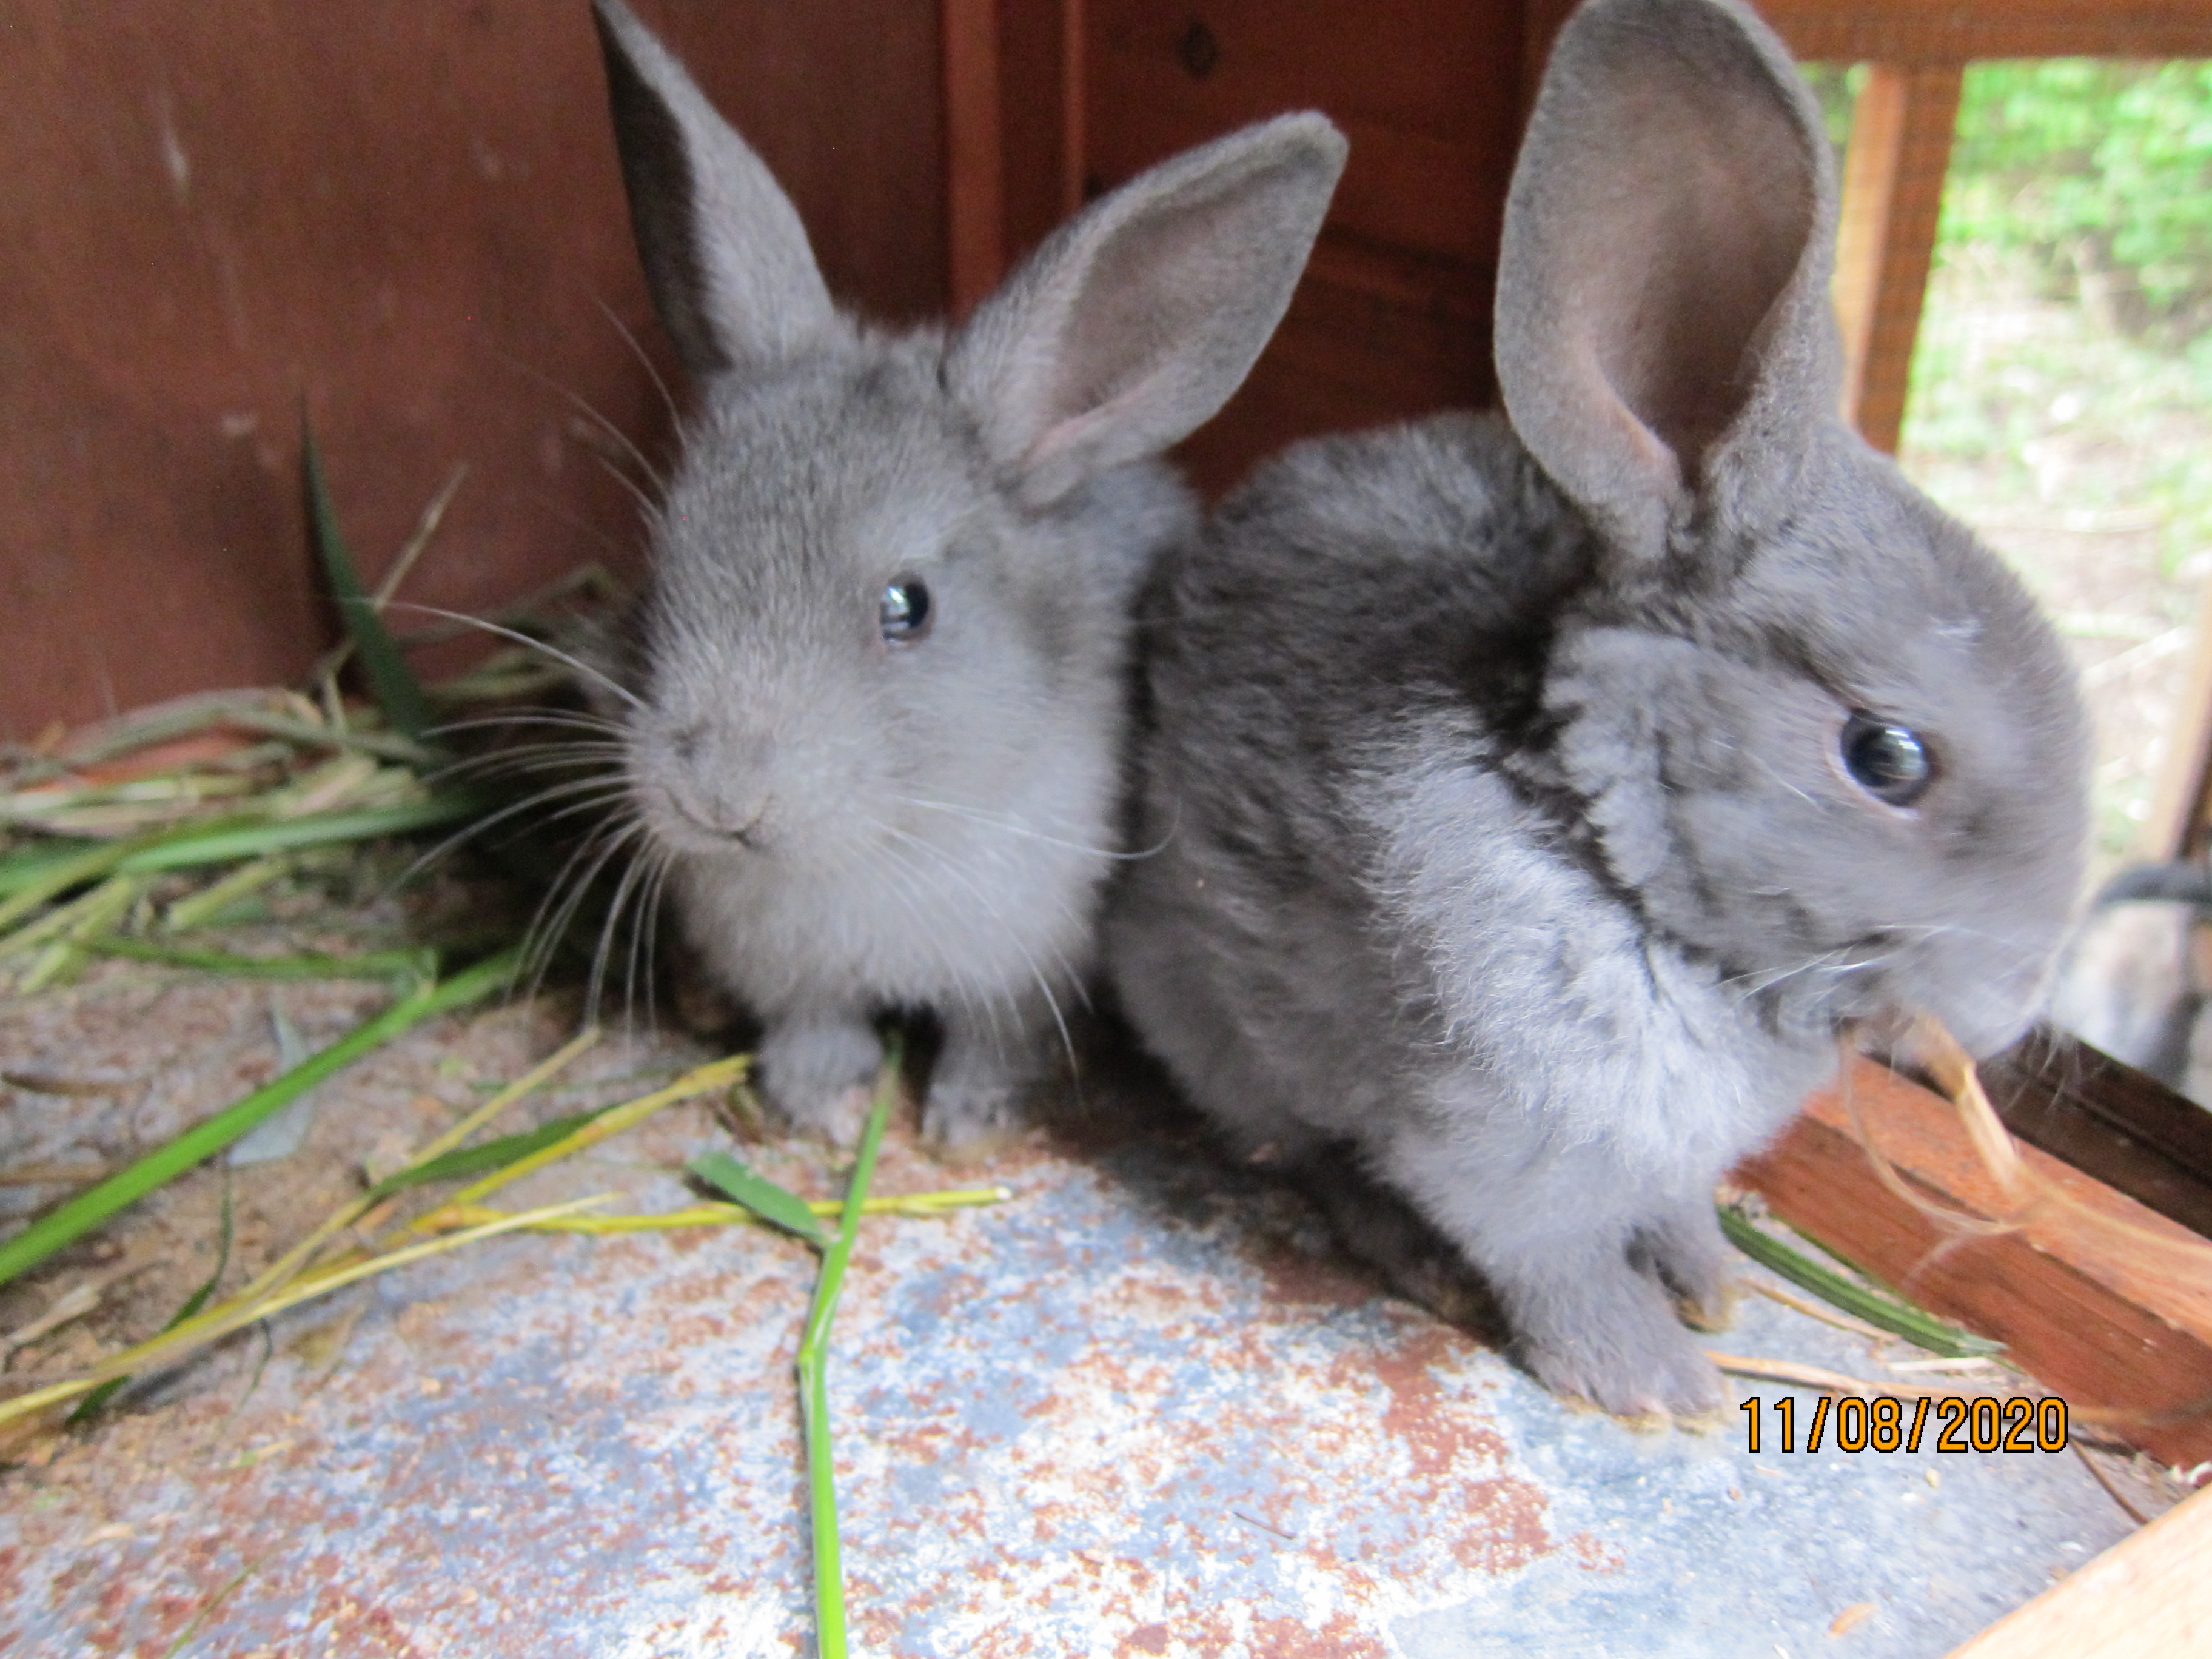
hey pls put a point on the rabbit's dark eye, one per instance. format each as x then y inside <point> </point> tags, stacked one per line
<point>1888,761</point>
<point>904,611</point>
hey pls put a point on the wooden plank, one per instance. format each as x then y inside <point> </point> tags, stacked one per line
<point>2149,1596</point>
<point>1430,101</point>
<point>1031,122</point>
<point>1906,31</point>
<point>1078,177</point>
<point>2108,1121</point>
<point>975,164</point>
<point>2176,828</point>
<point>2124,1336</point>
<point>1900,151</point>
<point>1372,335</point>
<point>1393,319</point>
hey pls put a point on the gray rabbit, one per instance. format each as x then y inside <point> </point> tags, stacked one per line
<point>871,704</point>
<point>1543,797</point>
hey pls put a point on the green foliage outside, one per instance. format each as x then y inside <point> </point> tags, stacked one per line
<point>2086,184</point>
<point>2100,172</point>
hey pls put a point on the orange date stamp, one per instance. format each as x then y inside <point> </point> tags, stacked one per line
<point>1885,1424</point>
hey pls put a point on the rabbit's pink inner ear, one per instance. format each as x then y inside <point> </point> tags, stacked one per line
<point>1137,364</point>
<point>1676,299</point>
<point>1139,318</point>
<point>1667,204</point>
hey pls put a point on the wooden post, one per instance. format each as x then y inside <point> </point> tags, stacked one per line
<point>1075,108</point>
<point>2175,828</point>
<point>974,181</point>
<point>1899,151</point>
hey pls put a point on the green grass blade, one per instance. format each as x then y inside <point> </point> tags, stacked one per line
<point>1924,1330</point>
<point>813,1382</point>
<point>398,692</point>
<point>81,1213</point>
<point>759,1194</point>
<point>476,1160</point>
<point>316,830</point>
<point>420,964</point>
<point>197,909</point>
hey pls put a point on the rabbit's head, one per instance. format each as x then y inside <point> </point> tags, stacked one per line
<point>1823,736</point>
<point>890,573</point>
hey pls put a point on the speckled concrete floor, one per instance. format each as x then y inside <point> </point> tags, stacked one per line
<point>1136,1410</point>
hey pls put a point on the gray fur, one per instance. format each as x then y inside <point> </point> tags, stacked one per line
<point>852,826</point>
<point>1509,852</point>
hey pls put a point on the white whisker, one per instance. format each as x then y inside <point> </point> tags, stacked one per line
<point>1036,973</point>
<point>523,639</point>
<point>668,401</point>
<point>991,821</point>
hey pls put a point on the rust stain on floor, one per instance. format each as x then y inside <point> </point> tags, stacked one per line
<point>1136,1411</point>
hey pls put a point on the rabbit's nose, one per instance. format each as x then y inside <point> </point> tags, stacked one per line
<point>736,815</point>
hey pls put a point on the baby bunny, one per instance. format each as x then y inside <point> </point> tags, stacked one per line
<point>1542,798</point>
<point>874,696</point>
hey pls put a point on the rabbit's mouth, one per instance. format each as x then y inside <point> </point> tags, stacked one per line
<point>1874,993</point>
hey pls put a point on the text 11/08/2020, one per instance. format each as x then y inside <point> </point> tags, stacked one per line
<point>1885,1424</point>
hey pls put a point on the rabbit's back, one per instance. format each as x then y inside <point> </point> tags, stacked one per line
<point>1370,882</point>
<point>1356,567</point>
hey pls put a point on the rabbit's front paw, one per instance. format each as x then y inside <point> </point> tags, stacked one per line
<point>981,1081</point>
<point>1685,1253</point>
<point>969,1117</point>
<point>1620,1349</point>
<point>817,1074</point>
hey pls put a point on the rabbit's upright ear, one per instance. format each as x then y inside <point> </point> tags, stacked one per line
<point>724,252</point>
<point>1664,339</point>
<point>1137,318</point>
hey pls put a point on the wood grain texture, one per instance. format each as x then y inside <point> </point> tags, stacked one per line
<point>1893,197</point>
<point>1393,319</point>
<point>975,152</point>
<point>2123,1336</point>
<point>1429,100</point>
<point>407,215</point>
<point>1908,31</point>
<point>2108,1121</point>
<point>2149,1596</point>
<point>2179,825</point>
<point>1033,70</point>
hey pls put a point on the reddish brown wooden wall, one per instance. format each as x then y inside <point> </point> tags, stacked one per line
<point>407,212</point>
<point>1393,318</point>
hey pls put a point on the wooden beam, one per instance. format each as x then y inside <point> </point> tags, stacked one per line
<point>2120,1330</point>
<point>2149,1596</point>
<point>1909,30</point>
<point>1074,104</point>
<point>1894,173</point>
<point>974,168</point>
<point>2176,828</point>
